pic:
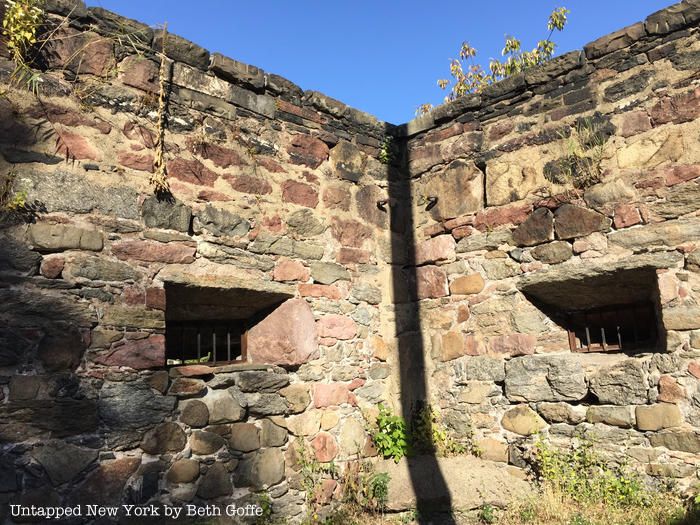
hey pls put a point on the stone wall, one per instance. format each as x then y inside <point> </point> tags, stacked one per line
<point>561,188</point>
<point>322,214</point>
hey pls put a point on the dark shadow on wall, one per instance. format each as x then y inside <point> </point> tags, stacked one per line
<point>433,498</point>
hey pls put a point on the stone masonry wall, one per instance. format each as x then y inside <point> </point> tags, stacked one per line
<point>292,197</point>
<point>510,232</point>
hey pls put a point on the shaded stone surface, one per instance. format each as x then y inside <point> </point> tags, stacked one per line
<point>537,228</point>
<point>132,405</point>
<point>215,482</point>
<point>63,461</point>
<point>166,437</point>
<point>573,221</point>
<point>244,437</point>
<point>261,469</point>
<point>224,406</point>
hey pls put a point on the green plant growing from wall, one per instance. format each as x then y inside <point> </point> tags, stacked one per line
<point>391,436</point>
<point>386,153</point>
<point>469,77</point>
<point>20,27</point>
<point>584,152</point>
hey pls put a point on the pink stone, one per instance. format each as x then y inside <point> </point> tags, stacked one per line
<point>434,229</point>
<point>333,394</point>
<point>327,341</point>
<point>669,390</point>
<point>683,173</point>
<point>350,232</point>
<point>308,151</point>
<point>337,326</point>
<point>668,287</point>
<point>288,270</point>
<point>249,184</point>
<point>626,215</point>
<point>464,220</point>
<point>299,193</point>
<point>353,256</point>
<point>192,171</point>
<point>498,216</point>
<point>213,196</point>
<point>325,447</point>
<point>356,383</point>
<point>287,336</point>
<point>513,344</point>
<point>140,73</point>
<point>136,161</point>
<point>219,155</point>
<point>155,298</point>
<point>138,354</point>
<point>335,197</point>
<point>437,249</point>
<point>462,231</point>
<point>74,146</point>
<point>154,251</point>
<point>320,290</point>
<point>694,369</point>
<point>634,122</point>
<point>52,266</point>
<point>431,282</point>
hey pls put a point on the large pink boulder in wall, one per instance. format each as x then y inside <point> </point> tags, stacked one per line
<point>285,337</point>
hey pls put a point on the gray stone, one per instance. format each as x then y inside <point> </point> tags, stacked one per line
<point>223,380</point>
<point>366,292</point>
<point>181,50</point>
<point>553,253</point>
<point>561,413</point>
<point>544,378</point>
<point>17,255</point>
<point>683,440</point>
<point>484,241</point>
<point>261,381</point>
<point>195,414</point>
<point>83,197</point>
<point>681,199</point>
<point>187,387</point>
<point>220,222</point>
<point>183,471</point>
<point>215,483</point>
<point>98,269</point>
<point>616,416</point>
<point>470,483</point>
<point>234,256</point>
<point>168,214</point>
<point>285,246</point>
<point>262,469</point>
<point>224,406</point>
<point>132,405</point>
<point>681,318</point>
<point>305,224</point>
<point>573,221</point>
<point>328,273</point>
<point>237,72</point>
<point>133,317</point>
<point>497,269</point>
<point>166,437</point>
<point>63,461</point>
<point>272,435</point>
<point>244,437</point>
<point>59,237</point>
<point>205,443</point>
<point>669,233</point>
<point>622,384</point>
<point>266,404</point>
<point>479,368</point>
<point>537,228</point>
<point>347,161</point>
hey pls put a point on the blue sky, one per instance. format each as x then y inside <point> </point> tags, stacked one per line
<point>383,57</point>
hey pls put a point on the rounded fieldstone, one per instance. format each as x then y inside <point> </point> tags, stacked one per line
<point>183,471</point>
<point>167,437</point>
<point>216,482</point>
<point>244,437</point>
<point>195,414</point>
<point>205,443</point>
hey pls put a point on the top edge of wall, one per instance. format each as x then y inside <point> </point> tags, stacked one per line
<point>668,20</point>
